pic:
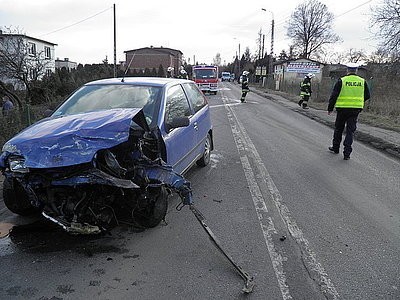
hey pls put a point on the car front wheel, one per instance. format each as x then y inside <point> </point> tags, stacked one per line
<point>16,199</point>
<point>154,212</point>
<point>205,159</point>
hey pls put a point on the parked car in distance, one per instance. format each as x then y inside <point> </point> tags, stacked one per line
<point>225,76</point>
<point>113,150</point>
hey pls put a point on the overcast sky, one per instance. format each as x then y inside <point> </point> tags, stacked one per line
<point>83,29</point>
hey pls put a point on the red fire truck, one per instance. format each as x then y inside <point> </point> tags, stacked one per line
<point>206,77</point>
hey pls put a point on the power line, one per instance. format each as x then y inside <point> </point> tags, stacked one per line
<point>76,23</point>
<point>350,10</point>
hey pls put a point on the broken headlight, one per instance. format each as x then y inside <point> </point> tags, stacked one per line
<point>17,164</point>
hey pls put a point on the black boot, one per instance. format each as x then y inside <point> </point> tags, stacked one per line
<point>336,151</point>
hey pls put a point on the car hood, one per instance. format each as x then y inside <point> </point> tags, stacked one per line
<point>73,139</point>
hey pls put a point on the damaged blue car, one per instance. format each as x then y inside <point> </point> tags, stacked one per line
<point>112,152</point>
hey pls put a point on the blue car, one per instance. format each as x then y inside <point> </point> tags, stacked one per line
<point>114,150</point>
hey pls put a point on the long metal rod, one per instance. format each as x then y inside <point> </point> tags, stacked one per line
<point>248,280</point>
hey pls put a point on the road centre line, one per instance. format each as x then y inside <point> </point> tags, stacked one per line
<point>266,223</point>
<point>246,148</point>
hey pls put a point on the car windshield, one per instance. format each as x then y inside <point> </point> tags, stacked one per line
<point>205,73</point>
<point>101,97</point>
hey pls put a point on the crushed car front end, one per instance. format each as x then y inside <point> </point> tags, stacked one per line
<point>89,172</point>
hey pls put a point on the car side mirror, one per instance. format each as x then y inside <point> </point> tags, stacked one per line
<point>177,122</point>
<point>47,113</point>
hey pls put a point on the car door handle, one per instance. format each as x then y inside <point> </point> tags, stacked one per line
<point>195,126</point>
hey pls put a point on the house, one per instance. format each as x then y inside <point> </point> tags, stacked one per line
<point>336,71</point>
<point>66,63</point>
<point>150,58</point>
<point>293,71</point>
<point>38,56</point>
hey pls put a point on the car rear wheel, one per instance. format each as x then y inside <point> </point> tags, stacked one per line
<point>155,211</point>
<point>16,199</point>
<point>205,159</point>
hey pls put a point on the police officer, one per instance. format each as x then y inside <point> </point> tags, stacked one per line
<point>305,90</point>
<point>245,86</point>
<point>348,96</point>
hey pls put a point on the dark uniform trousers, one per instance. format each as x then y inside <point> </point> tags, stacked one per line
<point>345,117</point>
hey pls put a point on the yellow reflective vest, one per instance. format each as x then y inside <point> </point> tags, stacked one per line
<point>352,93</point>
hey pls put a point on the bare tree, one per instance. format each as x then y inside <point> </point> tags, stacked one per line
<point>356,55</point>
<point>310,28</point>
<point>385,21</point>
<point>19,65</point>
<point>380,57</point>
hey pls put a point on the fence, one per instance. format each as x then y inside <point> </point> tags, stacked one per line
<point>18,119</point>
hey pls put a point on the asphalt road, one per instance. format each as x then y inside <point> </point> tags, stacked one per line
<point>304,222</point>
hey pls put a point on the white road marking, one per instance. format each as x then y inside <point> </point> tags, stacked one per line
<point>246,147</point>
<point>233,102</point>
<point>223,105</point>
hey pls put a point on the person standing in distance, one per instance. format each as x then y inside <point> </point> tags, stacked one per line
<point>348,96</point>
<point>245,86</point>
<point>7,106</point>
<point>182,73</point>
<point>170,72</point>
<point>305,90</point>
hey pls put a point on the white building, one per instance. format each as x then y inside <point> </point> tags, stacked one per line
<point>66,63</point>
<point>40,54</point>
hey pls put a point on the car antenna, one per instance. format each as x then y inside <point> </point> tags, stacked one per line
<point>127,69</point>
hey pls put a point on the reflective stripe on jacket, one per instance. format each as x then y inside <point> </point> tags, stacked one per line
<point>305,88</point>
<point>352,92</point>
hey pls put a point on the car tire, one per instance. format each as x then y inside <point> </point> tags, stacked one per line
<point>16,199</point>
<point>155,212</point>
<point>205,159</point>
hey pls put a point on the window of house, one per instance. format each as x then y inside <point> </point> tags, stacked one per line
<point>32,74</point>
<point>31,48</point>
<point>47,52</point>
<point>48,72</point>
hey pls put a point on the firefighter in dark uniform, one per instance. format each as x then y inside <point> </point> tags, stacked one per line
<point>182,73</point>
<point>348,96</point>
<point>245,86</point>
<point>170,72</point>
<point>305,90</point>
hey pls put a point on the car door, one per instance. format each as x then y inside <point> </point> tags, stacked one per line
<point>179,142</point>
<point>201,115</point>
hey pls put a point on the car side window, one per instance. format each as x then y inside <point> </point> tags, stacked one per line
<point>196,97</point>
<point>176,104</point>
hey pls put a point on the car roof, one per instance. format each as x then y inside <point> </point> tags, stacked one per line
<point>150,81</point>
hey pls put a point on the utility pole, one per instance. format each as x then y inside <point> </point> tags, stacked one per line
<point>260,44</point>
<point>261,71</point>
<point>115,45</point>
<point>270,69</point>
<point>239,64</point>
<point>272,35</point>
